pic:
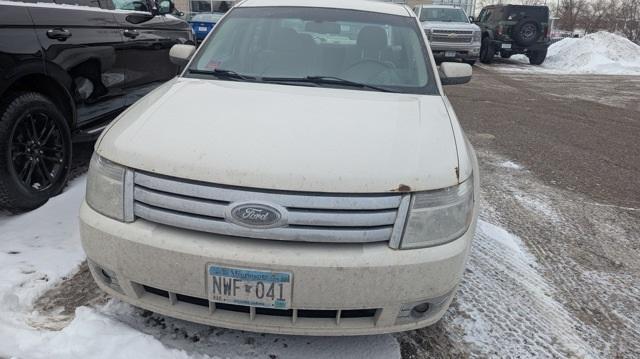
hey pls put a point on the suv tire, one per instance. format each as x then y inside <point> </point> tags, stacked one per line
<point>35,151</point>
<point>486,51</point>
<point>537,57</point>
<point>526,32</point>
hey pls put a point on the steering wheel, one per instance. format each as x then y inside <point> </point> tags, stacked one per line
<point>383,65</point>
<point>367,70</point>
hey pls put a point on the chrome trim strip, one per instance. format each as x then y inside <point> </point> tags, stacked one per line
<point>401,220</point>
<point>129,216</point>
<point>318,234</point>
<point>308,201</point>
<point>179,204</point>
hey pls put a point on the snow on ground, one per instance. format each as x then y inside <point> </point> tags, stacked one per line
<point>37,249</point>
<point>601,53</point>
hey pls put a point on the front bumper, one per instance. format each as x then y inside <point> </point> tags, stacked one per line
<point>466,52</point>
<point>163,269</point>
<point>513,47</point>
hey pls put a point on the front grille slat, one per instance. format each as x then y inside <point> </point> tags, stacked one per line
<point>284,199</point>
<point>178,203</point>
<point>317,234</point>
<point>457,32</point>
<point>330,218</point>
<point>458,40</point>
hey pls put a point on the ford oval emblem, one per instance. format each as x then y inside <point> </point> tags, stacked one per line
<point>257,215</point>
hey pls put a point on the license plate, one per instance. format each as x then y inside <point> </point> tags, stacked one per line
<point>506,46</point>
<point>449,54</point>
<point>250,287</point>
<point>203,29</point>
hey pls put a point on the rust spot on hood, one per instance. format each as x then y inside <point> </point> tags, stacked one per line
<point>402,188</point>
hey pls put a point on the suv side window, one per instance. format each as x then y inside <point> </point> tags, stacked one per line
<point>89,3</point>
<point>131,5</point>
<point>482,15</point>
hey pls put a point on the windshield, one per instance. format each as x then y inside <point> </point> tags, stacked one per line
<point>443,14</point>
<point>265,43</point>
<point>207,17</point>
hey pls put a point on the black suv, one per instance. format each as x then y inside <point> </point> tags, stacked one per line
<point>514,29</point>
<point>67,67</point>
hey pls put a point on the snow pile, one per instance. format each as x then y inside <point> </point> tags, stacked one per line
<point>38,248</point>
<point>598,53</point>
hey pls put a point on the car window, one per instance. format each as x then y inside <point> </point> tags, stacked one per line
<point>443,14</point>
<point>207,17</point>
<point>487,16</point>
<point>480,17</point>
<point>89,3</point>
<point>131,5</point>
<point>370,48</point>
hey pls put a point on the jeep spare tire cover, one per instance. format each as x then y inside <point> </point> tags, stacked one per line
<point>526,32</point>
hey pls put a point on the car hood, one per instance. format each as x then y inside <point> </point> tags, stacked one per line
<point>445,25</point>
<point>287,137</point>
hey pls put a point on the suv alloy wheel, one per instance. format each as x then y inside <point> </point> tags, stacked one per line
<point>35,151</point>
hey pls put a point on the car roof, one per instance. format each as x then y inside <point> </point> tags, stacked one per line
<point>361,5</point>
<point>441,6</point>
<point>512,5</point>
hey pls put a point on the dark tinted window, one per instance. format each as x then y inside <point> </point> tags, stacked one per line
<point>89,3</point>
<point>443,14</point>
<point>131,5</point>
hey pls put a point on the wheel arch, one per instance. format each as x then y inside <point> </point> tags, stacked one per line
<point>54,87</point>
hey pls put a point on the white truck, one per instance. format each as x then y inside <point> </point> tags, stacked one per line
<point>451,33</point>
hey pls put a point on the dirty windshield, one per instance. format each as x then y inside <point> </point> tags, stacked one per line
<point>339,47</point>
<point>443,14</point>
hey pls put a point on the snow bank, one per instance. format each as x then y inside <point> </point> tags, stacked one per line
<point>598,53</point>
<point>38,248</point>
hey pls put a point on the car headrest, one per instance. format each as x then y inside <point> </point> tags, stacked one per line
<point>372,40</point>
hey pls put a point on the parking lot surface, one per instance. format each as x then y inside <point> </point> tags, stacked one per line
<point>559,166</point>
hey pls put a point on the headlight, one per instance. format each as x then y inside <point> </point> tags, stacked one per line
<point>477,36</point>
<point>439,217</point>
<point>106,188</point>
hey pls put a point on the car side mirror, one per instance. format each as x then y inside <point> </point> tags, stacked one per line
<point>472,19</point>
<point>165,7</point>
<point>181,54</point>
<point>453,73</point>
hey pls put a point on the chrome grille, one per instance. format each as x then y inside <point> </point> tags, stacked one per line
<point>311,217</point>
<point>452,36</point>
<point>458,32</point>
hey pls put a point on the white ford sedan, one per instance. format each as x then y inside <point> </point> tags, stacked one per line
<point>305,174</point>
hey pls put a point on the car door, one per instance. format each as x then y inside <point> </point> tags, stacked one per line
<point>20,51</point>
<point>80,40</point>
<point>148,39</point>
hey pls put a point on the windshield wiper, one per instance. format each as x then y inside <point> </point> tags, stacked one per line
<point>328,80</point>
<point>228,74</point>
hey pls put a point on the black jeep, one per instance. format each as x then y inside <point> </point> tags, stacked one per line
<point>514,29</point>
<point>67,67</point>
